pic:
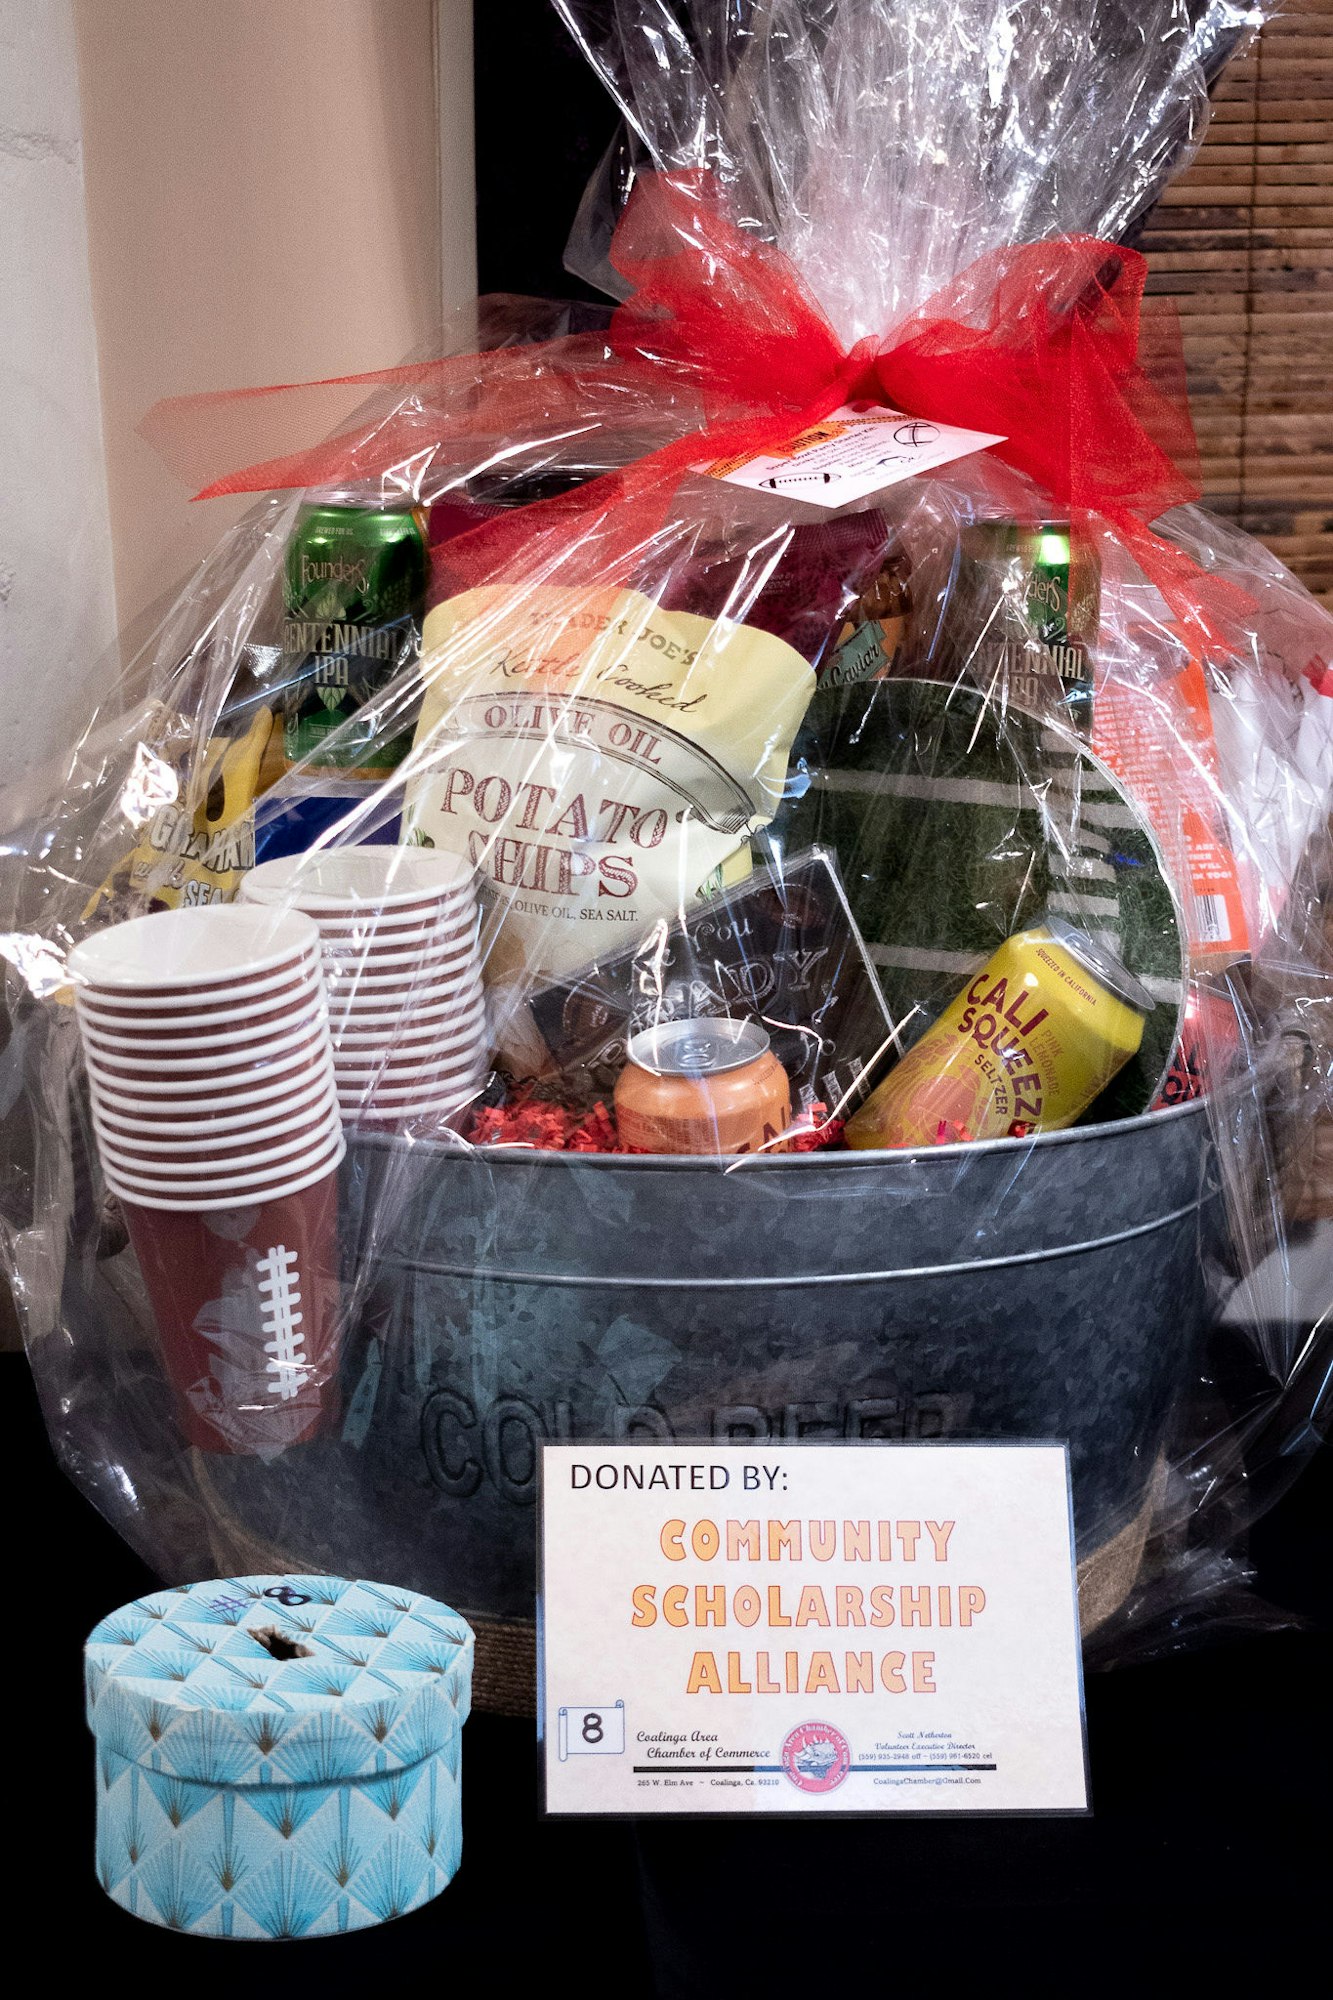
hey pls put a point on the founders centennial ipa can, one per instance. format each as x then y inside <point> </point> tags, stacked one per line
<point>702,1086</point>
<point>353,600</point>
<point>1034,1038</point>
<point>1028,604</point>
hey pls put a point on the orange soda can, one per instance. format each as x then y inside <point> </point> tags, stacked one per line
<point>1026,1047</point>
<point>702,1086</point>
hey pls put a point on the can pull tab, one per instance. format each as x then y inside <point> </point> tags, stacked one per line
<point>278,1644</point>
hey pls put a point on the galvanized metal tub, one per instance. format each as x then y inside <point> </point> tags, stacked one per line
<point>1047,1288</point>
<point>1020,1288</point>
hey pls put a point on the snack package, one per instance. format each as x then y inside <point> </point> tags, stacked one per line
<point>602,757</point>
<point>805,919</point>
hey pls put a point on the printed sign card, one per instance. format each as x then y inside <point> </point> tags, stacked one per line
<point>797,1628</point>
<point>859,450</point>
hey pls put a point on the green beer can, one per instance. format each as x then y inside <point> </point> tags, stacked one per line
<point>1030,596</point>
<point>354,596</point>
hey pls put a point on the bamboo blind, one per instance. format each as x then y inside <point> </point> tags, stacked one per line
<point>1244,242</point>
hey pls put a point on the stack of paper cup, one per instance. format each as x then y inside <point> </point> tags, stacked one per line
<point>398,926</point>
<point>210,1069</point>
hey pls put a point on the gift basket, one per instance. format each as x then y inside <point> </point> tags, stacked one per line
<point>742,864</point>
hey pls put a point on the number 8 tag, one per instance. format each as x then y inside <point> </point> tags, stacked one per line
<point>591,1729</point>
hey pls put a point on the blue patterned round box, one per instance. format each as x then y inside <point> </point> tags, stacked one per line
<point>278,1756</point>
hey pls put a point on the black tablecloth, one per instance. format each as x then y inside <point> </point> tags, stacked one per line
<point>1210,1776</point>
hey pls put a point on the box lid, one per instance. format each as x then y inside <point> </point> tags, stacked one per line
<point>278,1680</point>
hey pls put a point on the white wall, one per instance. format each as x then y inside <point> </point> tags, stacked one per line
<point>194,195</point>
<point>263,206</point>
<point>57,605</point>
<point>458,186</point>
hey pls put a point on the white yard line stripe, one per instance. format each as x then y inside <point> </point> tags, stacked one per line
<point>1082,868</point>
<point>1112,813</point>
<point>904,785</point>
<point>906,958</point>
<point>1070,904</point>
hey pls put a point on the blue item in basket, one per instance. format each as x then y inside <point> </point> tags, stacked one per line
<point>291,822</point>
<point>278,1756</point>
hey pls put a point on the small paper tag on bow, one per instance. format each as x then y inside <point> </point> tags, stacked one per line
<point>856,451</point>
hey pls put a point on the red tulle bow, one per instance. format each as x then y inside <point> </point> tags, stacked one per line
<point>720,345</point>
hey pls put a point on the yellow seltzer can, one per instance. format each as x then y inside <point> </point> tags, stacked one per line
<point>1026,1047</point>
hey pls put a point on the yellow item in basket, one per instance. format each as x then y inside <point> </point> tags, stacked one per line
<point>1026,1047</point>
<point>187,858</point>
<point>600,759</point>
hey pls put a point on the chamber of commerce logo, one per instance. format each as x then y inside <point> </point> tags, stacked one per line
<point>816,1757</point>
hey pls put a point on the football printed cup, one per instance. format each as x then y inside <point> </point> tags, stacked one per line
<point>205,1033</point>
<point>398,933</point>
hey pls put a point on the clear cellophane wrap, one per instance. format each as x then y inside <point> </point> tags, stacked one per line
<point>653,705</point>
